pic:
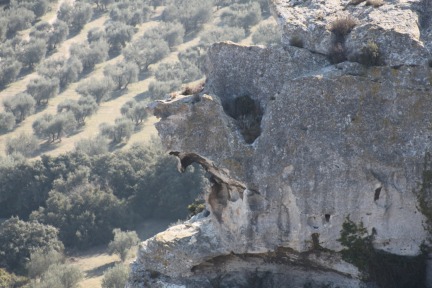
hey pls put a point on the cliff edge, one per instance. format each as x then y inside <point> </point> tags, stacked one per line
<point>326,135</point>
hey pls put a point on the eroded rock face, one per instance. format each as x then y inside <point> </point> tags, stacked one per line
<point>292,146</point>
<point>400,28</point>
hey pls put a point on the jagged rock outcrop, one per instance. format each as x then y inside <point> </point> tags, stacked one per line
<point>293,145</point>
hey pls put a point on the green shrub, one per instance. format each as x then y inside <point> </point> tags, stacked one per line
<point>120,131</point>
<point>24,144</point>
<point>115,277</point>
<point>43,89</point>
<point>21,106</point>
<point>60,276</point>
<point>9,71</point>
<point>18,239</point>
<point>122,74</point>
<point>145,52</point>
<point>242,15</point>
<point>92,146</point>
<point>41,260</point>
<point>369,54</point>
<point>122,243</point>
<point>32,52</point>
<point>118,35</point>
<point>7,121</point>
<point>135,111</point>
<point>54,127</point>
<point>192,14</point>
<point>10,280</point>
<point>99,89</point>
<point>196,207</point>
<point>85,216</point>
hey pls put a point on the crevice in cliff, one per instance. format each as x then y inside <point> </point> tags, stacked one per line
<point>247,113</point>
<point>377,193</point>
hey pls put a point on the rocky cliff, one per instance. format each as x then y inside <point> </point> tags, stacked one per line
<point>332,128</point>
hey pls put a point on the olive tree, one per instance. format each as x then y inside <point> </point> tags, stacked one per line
<point>66,71</point>
<point>41,260</point>
<point>242,15</point>
<point>132,13</point>
<point>118,34</point>
<point>96,34</point>
<point>61,275</point>
<point>81,15</point>
<point>70,72</point>
<point>51,68</point>
<point>7,121</point>
<point>39,8</point>
<point>21,106</point>
<point>32,52</point>
<point>145,52</point>
<point>41,30</point>
<point>90,54</point>
<point>24,144</point>
<point>19,19</point>
<point>120,131</point>
<point>75,16</point>
<point>99,89</point>
<point>81,109</point>
<point>9,71</point>
<point>135,111</point>
<point>173,33</point>
<point>115,277</point>
<point>192,14</point>
<point>42,89</point>
<point>92,146</point>
<point>54,127</point>
<point>57,34</point>
<point>122,243</point>
<point>122,74</point>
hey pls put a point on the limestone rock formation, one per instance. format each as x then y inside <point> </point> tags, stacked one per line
<point>293,145</point>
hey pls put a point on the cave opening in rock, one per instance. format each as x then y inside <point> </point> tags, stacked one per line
<point>327,217</point>
<point>248,114</point>
<point>377,193</point>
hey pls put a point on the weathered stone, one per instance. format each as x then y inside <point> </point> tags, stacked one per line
<point>293,146</point>
<point>394,27</point>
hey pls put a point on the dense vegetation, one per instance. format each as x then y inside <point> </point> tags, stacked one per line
<point>77,200</point>
<point>82,198</point>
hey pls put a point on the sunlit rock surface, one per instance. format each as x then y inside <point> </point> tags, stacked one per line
<point>292,146</point>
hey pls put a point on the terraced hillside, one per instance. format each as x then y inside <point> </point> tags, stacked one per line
<point>188,44</point>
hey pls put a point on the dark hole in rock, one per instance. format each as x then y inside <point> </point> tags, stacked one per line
<point>377,193</point>
<point>248,114</point>
<point>327,217</point>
